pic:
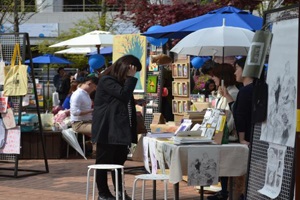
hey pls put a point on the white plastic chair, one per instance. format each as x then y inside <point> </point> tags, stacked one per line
<point>153,177</point>
<point>107,167</point>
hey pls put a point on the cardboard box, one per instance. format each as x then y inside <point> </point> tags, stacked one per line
<point>201,106</point>
<point>163,128</point>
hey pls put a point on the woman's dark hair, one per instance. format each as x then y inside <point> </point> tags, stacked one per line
<point>208,82</point>
<point>240,62</point>
<point>225,72</point>
<point>120,68</point>
<point>208,66</point>
<point>73,86</point>
<point>93,79</point>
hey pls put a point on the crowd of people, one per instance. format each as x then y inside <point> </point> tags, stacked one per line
<point>102,108</point>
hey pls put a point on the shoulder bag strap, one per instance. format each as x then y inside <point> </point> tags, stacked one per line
<point>19,54</point>
<point>14,56</point>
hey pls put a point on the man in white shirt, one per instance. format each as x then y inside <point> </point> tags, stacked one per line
<point>81,106</point>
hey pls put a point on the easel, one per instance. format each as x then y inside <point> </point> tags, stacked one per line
<point>8,41</point>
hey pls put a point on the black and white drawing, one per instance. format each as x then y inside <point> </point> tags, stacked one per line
<point>274,171</point>
<point>280,126</point>
<point>168,150</point>
<point>203,166</point>
<point>209,133</point>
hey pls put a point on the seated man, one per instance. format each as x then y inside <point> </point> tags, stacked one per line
<point>81,106</point>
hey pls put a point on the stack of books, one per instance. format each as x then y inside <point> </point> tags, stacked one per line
<point>190,137</point>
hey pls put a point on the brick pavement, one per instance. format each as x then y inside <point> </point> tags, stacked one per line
<point>67,181</point>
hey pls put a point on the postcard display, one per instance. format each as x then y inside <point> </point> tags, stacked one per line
<point>13,106</point>
<point>271,171</point>
<point>153,89</point>
<point>180,89</point>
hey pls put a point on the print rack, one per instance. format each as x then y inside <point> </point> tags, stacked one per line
<point>8,41</point>
<point>258,159</point>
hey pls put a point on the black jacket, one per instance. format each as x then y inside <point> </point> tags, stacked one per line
<point>111,123</point>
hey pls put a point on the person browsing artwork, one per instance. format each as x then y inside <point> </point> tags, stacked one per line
<point>81,106</point>
<point>242,112</point>
<point>241,107</point>
<point>225,72</point>
<point>114,119</point>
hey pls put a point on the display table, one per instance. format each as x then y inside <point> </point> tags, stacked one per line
<point>31,145</point>
<point>233,158</point>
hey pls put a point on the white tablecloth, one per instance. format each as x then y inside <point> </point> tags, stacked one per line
<point>233,158</point>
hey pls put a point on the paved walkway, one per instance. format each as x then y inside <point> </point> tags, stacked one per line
<point>67,181</point>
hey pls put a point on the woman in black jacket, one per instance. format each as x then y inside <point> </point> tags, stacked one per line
<point>114,118</point>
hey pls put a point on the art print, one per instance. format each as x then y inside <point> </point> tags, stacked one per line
<point>280,126</point>
<point>203,166</point>
<point>274,171</point>
<point>136,45</point>
<point>12,141</point>
<point>152,84</point>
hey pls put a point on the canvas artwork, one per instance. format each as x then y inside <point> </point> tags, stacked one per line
<point>203,166</point>
<point>280,126</point>
<point>152,84</point>
<point>133,44</point>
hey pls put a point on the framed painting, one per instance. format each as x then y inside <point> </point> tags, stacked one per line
<point>152,84</point>
<point>136,45</point>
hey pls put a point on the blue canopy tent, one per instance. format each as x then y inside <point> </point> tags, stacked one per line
<point>104,51</point>
<point>233,16</point>
<point>48,59</point>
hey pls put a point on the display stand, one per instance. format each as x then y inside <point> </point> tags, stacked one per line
<point>8,41</point>
<point>258,160</point>
<point>181,88</point>
<point>154,99</point>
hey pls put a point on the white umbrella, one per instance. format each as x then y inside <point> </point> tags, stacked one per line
<point>77,50</point>
<point>216,41</point>
<point>91,39</point>
<point>70,136</point>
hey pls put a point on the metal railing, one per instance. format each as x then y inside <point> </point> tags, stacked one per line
<point>71,8</point>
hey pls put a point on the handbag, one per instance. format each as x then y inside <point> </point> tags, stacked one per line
<point>15,81</point>
<point>3,103</point>
<point>140,123</point>
<point>9,119</point>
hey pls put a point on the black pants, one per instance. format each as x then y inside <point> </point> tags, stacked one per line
<point>109,154</point>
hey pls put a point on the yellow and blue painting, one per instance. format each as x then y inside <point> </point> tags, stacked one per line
<point>136,45</point>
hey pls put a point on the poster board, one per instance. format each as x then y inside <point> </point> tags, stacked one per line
<point>258,162</point>
<point>136,45</point>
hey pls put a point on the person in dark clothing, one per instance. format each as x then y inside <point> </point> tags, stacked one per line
<point>64,88</point>
<point>166,99</point>
<point>57,79</point>
<point>114,119</point>
<point>242,113</point>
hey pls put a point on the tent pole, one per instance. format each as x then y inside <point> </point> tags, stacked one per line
<point>98,49</point>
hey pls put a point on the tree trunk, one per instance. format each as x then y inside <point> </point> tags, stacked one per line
<point>103,15</point>
<point>16,17</point>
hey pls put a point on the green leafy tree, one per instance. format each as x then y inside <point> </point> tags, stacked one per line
<point>16,12</point>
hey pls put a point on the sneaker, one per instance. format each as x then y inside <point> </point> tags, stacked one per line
<point>218,196</point>
<point>126,196</point>
<point>105,196</point>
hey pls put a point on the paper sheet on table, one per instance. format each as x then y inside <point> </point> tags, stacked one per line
<point>203,166</point>
<point>274,171</point>
<point>146,152</point>
<point>152,147</point>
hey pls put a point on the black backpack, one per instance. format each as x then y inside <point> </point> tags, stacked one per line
<point>259,101</point>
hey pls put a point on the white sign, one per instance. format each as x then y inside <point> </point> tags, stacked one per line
<point>35,30</point>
